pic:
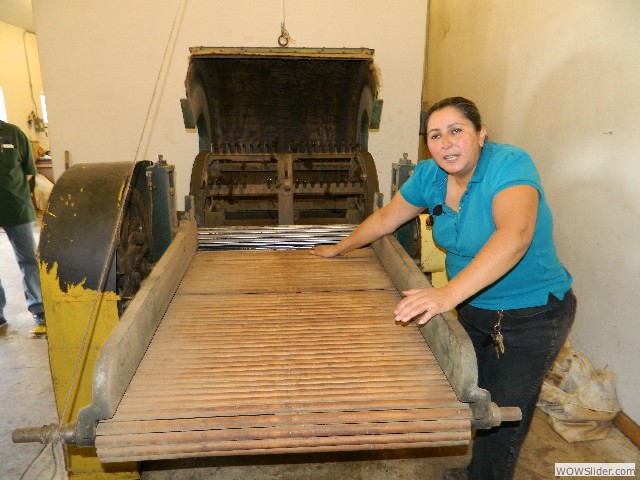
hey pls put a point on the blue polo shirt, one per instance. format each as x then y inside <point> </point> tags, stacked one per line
<point>463,234</point>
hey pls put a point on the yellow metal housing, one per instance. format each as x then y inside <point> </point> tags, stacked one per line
<point>432,257</point>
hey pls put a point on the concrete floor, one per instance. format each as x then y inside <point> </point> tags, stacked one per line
<point>26,399</point>
<point>26,394</point>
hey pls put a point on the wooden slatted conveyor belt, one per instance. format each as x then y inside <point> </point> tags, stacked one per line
<point>283,352</point>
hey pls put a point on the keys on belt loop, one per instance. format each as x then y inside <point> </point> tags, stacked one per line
<point>496,336</point>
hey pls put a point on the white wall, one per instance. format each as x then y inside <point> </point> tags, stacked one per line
<point>100,62</point>
<point>562,80</point>
<point>19,58</point>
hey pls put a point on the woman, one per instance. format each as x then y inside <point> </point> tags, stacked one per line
<point>513,296</point>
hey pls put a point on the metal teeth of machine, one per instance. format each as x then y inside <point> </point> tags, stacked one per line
<point>283,136</point>
<point>228,148</point>
<point>284,237</point>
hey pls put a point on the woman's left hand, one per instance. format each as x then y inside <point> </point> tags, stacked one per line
<point>425,303</point>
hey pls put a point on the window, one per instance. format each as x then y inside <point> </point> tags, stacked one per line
<point>43,104</point>
<point>3,107</point>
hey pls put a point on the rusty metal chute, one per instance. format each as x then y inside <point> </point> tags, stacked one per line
<point>271,362</point>
<point>272,351</point>
<point>279,351</point>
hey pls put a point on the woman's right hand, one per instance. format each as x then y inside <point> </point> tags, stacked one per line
<point>326,251</point>
<point>381,222</point>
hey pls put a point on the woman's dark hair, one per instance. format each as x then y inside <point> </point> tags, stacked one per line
<point>466,107</point>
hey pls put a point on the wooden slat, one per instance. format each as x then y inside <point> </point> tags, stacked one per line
<point>281,351</point>
<point>263,421</point>
<point>316,444</point>
<point>258,271</point>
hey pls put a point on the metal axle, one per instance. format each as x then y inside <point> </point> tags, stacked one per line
<point>45,434</point>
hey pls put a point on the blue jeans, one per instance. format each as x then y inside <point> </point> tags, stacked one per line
<point>24,247</point>
<point>533,338</point>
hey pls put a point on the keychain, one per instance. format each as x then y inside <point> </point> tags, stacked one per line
<point>496,336</point>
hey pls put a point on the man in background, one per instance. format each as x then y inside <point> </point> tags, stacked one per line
<point>17,215</point>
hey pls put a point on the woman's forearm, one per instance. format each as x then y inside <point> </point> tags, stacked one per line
<point>380,223</point>
<point>367,232</point>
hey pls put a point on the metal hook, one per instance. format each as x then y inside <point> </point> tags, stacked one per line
<point>283,39</point>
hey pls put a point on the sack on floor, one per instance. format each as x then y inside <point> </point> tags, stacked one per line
<point>42,191</point>
<point>581,401</point>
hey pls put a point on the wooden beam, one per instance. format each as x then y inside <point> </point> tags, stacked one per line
<point>122,352</point>
<point>446,337</point>
<point>628,427</point>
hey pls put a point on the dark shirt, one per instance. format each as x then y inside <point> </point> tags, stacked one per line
<point>16,162</point>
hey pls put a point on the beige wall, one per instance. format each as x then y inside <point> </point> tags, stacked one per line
<point>16,47</point>
<point>562,80</point>
<point>100,62</point>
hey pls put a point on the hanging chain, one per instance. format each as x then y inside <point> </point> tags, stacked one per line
<point>284,38</point>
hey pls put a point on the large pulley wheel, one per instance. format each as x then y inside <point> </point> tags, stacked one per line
<point>78,229</point>
<point>134,252</point>
<point>198,187</point>
<point>370,175</point>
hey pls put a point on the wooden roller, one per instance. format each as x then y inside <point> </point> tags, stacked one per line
<point>283,352</point>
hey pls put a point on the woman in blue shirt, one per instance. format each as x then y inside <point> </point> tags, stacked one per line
<point>512,294</point>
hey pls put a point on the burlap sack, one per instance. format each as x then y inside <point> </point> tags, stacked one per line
<point>581,401</point>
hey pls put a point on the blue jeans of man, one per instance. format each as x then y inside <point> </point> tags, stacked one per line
<point>24,247</point>
<point>532,339</point>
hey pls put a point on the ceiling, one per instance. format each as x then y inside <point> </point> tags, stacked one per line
<point>17,13</point>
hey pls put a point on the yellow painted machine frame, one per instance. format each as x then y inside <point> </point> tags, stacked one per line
<point>75,240</point>
<point>432,257</point>
<point>67,315</point>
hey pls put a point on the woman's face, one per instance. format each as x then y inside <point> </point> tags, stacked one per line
<point>454,142</point>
